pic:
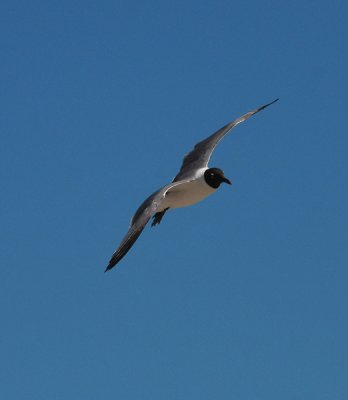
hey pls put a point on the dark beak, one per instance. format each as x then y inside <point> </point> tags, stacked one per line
<point>224,179</point>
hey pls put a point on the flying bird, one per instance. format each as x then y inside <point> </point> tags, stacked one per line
<point>193,183</point>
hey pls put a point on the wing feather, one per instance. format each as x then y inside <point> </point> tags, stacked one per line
<point>124,247</point>
<point>141,217</point>
<point>201,153</point>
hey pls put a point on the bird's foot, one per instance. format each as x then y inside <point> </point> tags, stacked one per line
<point>158,217</point>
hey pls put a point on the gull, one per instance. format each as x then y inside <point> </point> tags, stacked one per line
<point>194,182</point>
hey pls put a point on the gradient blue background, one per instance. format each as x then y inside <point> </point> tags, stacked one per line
<point>243,296</point>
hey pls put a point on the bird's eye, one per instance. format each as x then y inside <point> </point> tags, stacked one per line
<point>212,174</point>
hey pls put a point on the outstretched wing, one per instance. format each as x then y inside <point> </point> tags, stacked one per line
<point>147,209</point>
<point>201,153</point>
<point>124,247</point>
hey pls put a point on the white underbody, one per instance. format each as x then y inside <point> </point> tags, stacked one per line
<point>188,193</point>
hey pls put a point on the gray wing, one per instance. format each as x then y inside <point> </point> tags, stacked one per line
<point>201,153</point>
<point>127,242</point>
<point>141,217</point>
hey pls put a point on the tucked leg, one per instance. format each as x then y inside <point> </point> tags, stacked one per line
<point>158,217</point>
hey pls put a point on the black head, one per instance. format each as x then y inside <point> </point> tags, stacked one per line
<point>214,177</point>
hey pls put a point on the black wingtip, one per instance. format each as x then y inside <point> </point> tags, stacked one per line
<point>111,265</point>
<point>266,105</point>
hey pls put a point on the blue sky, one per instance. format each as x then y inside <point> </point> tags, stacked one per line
<point>242,296</point>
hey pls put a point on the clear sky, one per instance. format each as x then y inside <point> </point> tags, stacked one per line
<point>243,296</point>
